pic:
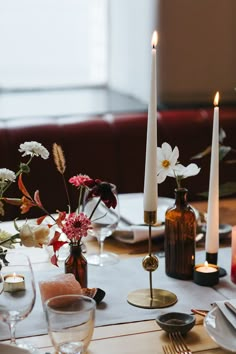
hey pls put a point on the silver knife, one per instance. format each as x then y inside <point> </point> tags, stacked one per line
<point>231,307</point>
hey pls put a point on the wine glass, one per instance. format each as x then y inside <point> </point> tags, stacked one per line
<point>70,320</point>
<point>17,295</point>
<point>104,222</point>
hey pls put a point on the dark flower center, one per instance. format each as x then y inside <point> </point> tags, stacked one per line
<point>77,224</point>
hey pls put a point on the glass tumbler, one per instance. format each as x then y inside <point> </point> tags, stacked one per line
<point>70,320</point>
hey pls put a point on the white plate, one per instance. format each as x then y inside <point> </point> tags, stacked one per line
<point>220,330</point>
<point>10,349</point>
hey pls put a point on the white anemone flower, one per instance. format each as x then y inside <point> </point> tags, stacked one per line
<point>34,148</point>
<point>182,172</point>
<point>166,161</point>
<point>7,175</point>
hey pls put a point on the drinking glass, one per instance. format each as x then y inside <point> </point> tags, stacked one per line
<point>70,320</point>
<point>17,295</point>
<point>104,222</point>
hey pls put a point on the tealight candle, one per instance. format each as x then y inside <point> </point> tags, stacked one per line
<point>206,274</point>
<point>14,282</point>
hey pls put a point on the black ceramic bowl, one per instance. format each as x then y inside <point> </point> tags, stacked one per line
<point>176,322</point>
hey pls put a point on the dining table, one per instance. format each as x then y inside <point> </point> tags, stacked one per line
<point>137,334</point>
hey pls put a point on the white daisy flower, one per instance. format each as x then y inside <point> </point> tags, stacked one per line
<point>166,161</point>
<point>34,148</point>
<point>7,175</point>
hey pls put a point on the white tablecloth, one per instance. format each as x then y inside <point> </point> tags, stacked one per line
<point>121,279</point>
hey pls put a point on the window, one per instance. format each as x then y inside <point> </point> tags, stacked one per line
<point>51,43</point>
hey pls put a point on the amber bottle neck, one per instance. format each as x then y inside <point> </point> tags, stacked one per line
<point>75,248</point>
<point>181,195</point>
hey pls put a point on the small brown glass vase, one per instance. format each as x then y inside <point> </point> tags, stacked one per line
<point>180,234</point>
<point>76,264</point>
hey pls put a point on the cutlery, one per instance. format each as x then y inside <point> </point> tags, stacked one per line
<point>168,349</point>
<point>231,307</point>
<point>178,343</point>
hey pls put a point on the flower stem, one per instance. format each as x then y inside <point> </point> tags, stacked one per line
<point>98,202</point>
<point>81,197</point>
<point>17,174</point>
<point>11,238</point>
<point>66,189</point>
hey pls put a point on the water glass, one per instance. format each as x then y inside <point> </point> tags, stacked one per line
<point>17,294</point>
<point>70,320</point>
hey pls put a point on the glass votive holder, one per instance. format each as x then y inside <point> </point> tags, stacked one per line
<point>206,274</point>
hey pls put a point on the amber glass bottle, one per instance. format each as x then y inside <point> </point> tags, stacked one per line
<point>180,233</point>
<point>76,264</point>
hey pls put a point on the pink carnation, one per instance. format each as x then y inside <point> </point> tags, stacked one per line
<point>76,226</point>
<point>79,180</point>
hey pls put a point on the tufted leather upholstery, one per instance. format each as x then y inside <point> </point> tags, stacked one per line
<point>112,148</point>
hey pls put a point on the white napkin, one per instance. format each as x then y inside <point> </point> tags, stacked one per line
<point>229,315</point>
<point>137,233</point>
<point>131,211</point>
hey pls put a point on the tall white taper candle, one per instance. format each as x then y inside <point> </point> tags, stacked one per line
<point>212,230</point>
<point>150,179</point>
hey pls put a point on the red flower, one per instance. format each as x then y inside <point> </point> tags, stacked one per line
<point>79,180</point>
<point>104,191</point>
<point>56,244</point>
<point>76,226</point>
<point>26,204</point>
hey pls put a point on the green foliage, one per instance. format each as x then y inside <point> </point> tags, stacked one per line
<point>225,190</point>
<point>228,188</point>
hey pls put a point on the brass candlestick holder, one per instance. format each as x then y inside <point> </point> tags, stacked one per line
<point>151,298</point>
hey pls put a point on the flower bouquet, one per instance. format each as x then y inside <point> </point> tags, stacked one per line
<point>68,226</point>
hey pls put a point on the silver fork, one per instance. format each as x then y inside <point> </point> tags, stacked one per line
<point>179,344</point>
<point>168,349</point>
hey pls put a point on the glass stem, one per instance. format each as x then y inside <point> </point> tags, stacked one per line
<point>101,246</point>
<point>12,327</point>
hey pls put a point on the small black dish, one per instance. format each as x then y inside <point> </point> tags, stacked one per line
<point>176,322</point>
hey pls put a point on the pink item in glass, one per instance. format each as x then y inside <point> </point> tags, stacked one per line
<point>233,259</point>
<point>60,284</point>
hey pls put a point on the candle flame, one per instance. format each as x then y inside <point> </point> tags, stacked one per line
<point>216,99</point>
<point>154,39</point>
<point>206,264</point>
<point>14,275</point>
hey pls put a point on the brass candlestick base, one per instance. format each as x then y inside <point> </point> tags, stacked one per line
<point>161,298</point>
<point>151,298</point>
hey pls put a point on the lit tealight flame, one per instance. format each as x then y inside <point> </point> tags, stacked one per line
<point>206,264</point>
<point>154,39</point>
<point>216,99</point>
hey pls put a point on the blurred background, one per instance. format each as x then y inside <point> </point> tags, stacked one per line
<point>63,57</point>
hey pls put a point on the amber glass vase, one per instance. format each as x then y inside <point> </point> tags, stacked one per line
<point>180,233</point>
<point>76,264</point>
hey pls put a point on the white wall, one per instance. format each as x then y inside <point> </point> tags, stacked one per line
<point>132,23</point>
<point>196,53</point>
